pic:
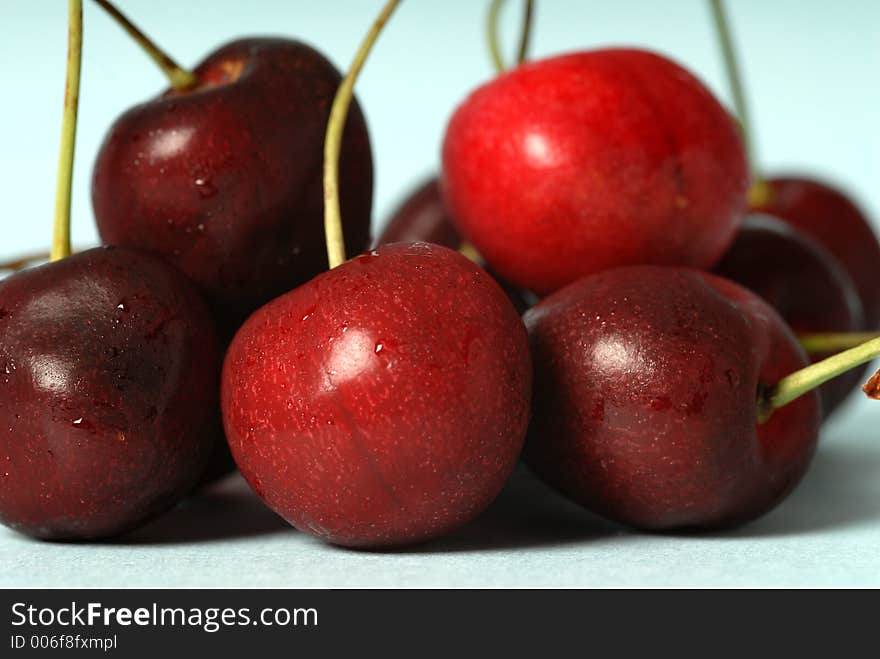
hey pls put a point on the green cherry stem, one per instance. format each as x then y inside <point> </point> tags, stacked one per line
<point>333,140</point>
<point>525,36</point>
<point>61,232</point>
<point>823,343</point>
<point>759,190</point>
<point>492,21</point>
<point>21,262</point>
<point>492,35</point>
<point>796,384</point>
<point>179,77</point>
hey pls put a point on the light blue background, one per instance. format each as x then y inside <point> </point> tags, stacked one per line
<point>811,69</point>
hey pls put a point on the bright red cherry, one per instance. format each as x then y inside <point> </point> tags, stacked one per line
<point>224,180</point>
<point>830,217</point>
<point>647,384</point>
<point>803,282</point>
<point>109,370</point>
<point>384,402</point>
<point>575,164</point>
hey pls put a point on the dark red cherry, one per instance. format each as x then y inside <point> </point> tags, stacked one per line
<point>109,367</point>
<point>384,402</point>
<point>803,282</point>
<point>830,217</point>
<point>422,217</point>
<point>224,181</point>
<point>646,388</point>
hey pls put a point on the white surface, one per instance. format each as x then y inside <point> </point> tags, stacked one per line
<point>811,70</point>
<point>826,534</point>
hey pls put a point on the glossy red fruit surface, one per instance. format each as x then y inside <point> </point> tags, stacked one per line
<point>803,282</point>
<point>575,164</point>
<point>224,181</point>
<point>109,369</point>
<point>383,403</point>
<point>830,217</point>
<point>646,382</point>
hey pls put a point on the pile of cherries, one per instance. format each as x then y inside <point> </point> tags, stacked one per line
<point>386,401</point>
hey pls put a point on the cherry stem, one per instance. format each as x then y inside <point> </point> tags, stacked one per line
<point>333,140</point>
<point>822,343</point>
<point>796,384</point>
<point>469,251</point>
<point>492,34</point>
<point>21,262</point>
<point>61,232</point>
<point>526,33</point>
<point>179,77</point>
<point>734,80</point>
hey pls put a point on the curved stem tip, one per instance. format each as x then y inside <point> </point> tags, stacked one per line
<point>492,22</point>
<point>179,77</point>
<point>822,343</point>
<point>333,140</point>
<point>734,81</point>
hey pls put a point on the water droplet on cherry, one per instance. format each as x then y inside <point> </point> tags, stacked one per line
<point>205,187</point>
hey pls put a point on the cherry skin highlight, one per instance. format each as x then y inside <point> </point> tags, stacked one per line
<point>803,282</point>
<point>109,369</point>
<point>646,387</point>
<point>224,180</point>
<point>579,163</point>
<point>828,216</point>
<point>383,403</point>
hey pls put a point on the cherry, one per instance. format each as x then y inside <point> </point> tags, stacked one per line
<point>578,163</point>
<point>422,217</point>
<point>109,363</point>
<point>803,282</point>
<point>221,176</point>
<point>384,402</point>
<point>830,217</point>
<point>647,384</point>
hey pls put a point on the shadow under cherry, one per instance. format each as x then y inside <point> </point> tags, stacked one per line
<point>526,515</point>
<point>226,511</point>
<point>841,490</point>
